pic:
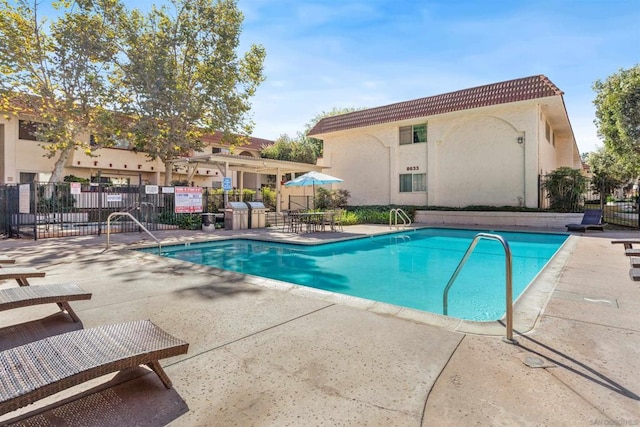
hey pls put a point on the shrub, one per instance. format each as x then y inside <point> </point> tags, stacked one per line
<point>331,199</point>
<point>565,188</point>
<point>269,197</point>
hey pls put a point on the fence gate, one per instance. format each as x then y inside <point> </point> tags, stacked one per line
<point>40,210</point>
<point>622,210</point>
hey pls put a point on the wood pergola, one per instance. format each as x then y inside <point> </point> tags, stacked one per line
<point>227,163</point>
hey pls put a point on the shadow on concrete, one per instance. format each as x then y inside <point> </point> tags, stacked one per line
<point>576,367</point>
<point>217,291</point>
<point>134,397</point>
<point>24,333</point>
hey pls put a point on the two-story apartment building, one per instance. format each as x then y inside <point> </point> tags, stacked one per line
<point>23,160</point>
<point>486,145</point>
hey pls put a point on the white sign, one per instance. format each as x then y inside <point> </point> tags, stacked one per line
<point>167,190</point>
<point>76,188</point>
<point>24,197</point>
<point>114,198</point>
<point>188,199</point>
<point>151,189</point>
<point>226,184</point>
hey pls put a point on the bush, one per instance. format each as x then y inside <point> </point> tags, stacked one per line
<point>269,197</point>
<point>189,221</point>
<point>331,199</point>
<point>565,188</point>
<point>374,214</point>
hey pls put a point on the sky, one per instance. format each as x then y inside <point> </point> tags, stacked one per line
<point>325,54</point>
<point>368,53</point>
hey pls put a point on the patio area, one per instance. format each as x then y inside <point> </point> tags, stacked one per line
<point>264,355</point>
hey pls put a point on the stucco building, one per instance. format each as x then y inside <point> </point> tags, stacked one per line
<point>23,160</point>
<point>486,145</point>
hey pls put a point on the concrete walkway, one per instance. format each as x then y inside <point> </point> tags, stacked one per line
<point>264,355</point>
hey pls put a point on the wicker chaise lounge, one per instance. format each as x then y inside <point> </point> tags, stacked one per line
<point>628,243</point>
<point>20,274</point>
<point>24,296</point>
<point>6,260</point>
<point>42,368</point>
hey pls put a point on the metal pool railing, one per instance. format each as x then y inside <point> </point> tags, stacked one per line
<point>509,280</point>
<point>396,213</point>
<point>127,214</point>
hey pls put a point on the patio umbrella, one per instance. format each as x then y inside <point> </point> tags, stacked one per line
<point>312,178</point>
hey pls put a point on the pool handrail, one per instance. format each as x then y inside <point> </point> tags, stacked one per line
<point>127,214</point>
<point>393,218</point>
<point>509,280</point>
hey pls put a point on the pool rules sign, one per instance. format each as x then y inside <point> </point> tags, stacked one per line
<point>188,200</point>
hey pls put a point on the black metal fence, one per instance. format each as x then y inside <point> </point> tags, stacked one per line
<point>621,208</point>
<point>40,210</point>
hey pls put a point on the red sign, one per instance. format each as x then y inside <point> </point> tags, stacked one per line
<point>188,200</point>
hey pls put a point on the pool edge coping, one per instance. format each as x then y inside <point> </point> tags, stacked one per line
<point>527,308</point>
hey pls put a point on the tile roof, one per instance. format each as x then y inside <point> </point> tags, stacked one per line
<point>253,142</point>
<point>493,94</point>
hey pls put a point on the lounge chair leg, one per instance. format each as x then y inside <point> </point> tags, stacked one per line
<point>64,306</point>
<point>155,366</point>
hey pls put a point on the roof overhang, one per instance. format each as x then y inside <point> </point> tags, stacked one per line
<point>246,164</point>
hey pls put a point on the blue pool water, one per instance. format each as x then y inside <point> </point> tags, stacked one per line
<point>408,269</point>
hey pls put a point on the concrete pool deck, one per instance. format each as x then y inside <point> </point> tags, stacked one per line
<point>264,356</point>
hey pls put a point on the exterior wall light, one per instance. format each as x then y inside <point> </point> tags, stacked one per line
<point>521,140</point>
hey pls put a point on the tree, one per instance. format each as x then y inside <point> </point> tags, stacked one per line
<point>293,150</point>
<point>317,143</point>
<point>565,188</point>
<point>618,113</point>
<point>55,72</point>
<point>301,148</point>
<point>609,171</point>
<point>181,77</point>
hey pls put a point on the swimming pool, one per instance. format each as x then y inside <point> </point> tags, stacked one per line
<point>408,269</point>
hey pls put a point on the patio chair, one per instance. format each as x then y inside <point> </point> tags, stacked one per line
<point>24,296</point>
<point>591,220</point>
<point>41,368</point>
<point>292,221</point>
<point>337,219</point>
<point>20,274</point>
<point>628,243</point>
<point>327,220</point>
<point>6,260</point>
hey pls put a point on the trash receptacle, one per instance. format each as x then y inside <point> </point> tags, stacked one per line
<point>236,216</point>
<point>257,214</point>
<point>208,222</point>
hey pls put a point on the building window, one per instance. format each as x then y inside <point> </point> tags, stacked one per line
<point>28,177</point>
<point>553,138</point>
<point>547,131</point>
<point>413,134</point>
<point>28,130</point>
<point>218,150</point>
<point>413,182</point>
<point>122,144</point>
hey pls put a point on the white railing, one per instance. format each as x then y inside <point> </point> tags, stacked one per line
<point>397,213</point>
<point>127,214</point>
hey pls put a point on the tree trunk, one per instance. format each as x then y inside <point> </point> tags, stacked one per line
<point>168,173</point>
<point>56,174</point>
